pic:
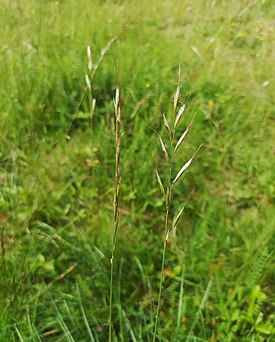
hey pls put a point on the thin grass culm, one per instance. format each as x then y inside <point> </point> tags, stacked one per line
<point>167,189</point>
<point>116,202</point>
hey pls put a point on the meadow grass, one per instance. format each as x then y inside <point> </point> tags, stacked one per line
<point>56,173</point>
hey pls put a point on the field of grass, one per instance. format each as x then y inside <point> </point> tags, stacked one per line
<point>57,165</point>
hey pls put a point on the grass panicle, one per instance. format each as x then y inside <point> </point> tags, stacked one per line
<point>57,174</point>
<point>169,184</point>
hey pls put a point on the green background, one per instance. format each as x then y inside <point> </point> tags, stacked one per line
<point>57,170</point>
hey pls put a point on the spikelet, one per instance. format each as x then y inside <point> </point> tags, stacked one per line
<point>88,82</point>
<point>90,61</point>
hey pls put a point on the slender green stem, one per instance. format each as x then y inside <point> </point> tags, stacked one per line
<point>161,276</point>
<point>112,266</point>
<point>111,297</point>
<point>166,233</point>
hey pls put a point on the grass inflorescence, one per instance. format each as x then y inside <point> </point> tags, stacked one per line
<point>170,181</point>
<point>57,162</point>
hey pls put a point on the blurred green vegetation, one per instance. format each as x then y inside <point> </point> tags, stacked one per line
<point>56,170</point>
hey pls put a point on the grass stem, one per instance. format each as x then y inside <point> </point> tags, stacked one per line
<point>115,204</point>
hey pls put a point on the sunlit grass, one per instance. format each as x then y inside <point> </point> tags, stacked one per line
<point>56,174</point>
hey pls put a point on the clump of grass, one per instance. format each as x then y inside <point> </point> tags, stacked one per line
<point>116,201</point>
<point>170,181</point>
